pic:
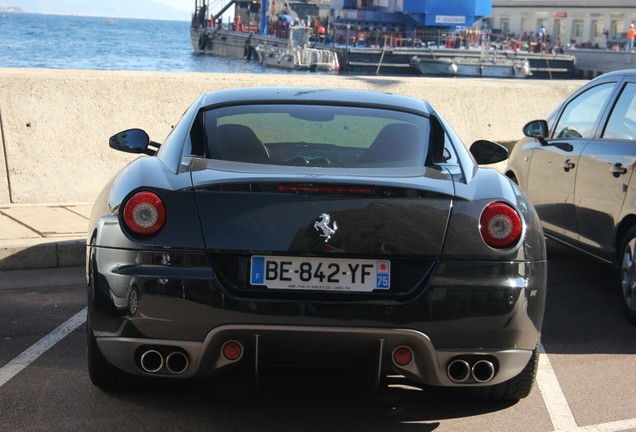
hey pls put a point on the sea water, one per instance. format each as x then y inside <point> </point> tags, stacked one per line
<point>92,43</point>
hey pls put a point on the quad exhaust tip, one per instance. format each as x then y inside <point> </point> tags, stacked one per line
<point>483,371</point>
<point>458,370</point>
<point>153,361</point>
<point>461,370</point>
<point>177,362</point>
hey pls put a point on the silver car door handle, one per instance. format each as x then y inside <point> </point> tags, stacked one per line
<point>618,169</point>
<point>567,165</point>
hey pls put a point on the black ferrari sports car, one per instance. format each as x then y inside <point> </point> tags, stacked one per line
<point>319,228</point>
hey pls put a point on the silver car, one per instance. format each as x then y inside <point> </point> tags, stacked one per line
<point>576,167</point>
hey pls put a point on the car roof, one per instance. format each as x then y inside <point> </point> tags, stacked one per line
<point>623,72</point>
<point>313,95</point>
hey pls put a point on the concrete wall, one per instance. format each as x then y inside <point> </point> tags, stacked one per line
<point>55,124</point>
<point>591,63</point>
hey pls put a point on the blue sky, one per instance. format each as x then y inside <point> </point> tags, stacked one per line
<point>150,9</point>
<point>178,4</point>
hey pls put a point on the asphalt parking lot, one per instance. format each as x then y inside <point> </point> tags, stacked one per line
<point>585,380</point>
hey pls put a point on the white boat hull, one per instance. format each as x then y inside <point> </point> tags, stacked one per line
<point>472,67</point>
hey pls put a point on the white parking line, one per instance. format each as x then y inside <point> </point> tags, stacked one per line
<point>14,367</point>
<point>555,401</point>
<point>617,426</point>
<point>558,408</point>
<point>621,425</point>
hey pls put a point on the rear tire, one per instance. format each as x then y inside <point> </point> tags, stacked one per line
<point>627,274</point>
<point>102,374</point>
<point>516,388</point>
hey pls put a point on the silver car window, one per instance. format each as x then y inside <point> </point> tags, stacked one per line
<point>579,116</point>
<point>622,121</point>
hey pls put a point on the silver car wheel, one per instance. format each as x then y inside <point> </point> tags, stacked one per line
<point>628,275</point>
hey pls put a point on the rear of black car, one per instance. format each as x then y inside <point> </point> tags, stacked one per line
<point>324,241</point>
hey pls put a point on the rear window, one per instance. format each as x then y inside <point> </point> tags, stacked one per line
<point>316,135</point>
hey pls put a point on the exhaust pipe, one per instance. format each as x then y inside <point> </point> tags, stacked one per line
<point>177,362</point>
<point>483,371</point>
<point>458,370</point>
<point>151,361</point>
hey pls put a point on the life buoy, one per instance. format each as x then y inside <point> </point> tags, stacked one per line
<point>203,41</point>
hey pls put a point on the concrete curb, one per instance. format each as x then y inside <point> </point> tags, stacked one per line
<point>43,254</point>
<point>43,235</point>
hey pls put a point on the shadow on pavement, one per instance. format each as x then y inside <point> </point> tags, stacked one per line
<point>306,399</point>
<point>583,309</point>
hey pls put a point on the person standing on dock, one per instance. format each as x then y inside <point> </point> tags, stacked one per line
<point>201,17</point>
<point>631,33</point>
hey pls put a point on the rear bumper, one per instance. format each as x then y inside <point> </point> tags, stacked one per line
<point>361,348</point>
<point>470,311</point>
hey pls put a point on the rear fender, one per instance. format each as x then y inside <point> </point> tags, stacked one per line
<point>464,240</point>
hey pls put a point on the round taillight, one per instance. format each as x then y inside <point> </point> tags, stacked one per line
<point>500,225</point>
<point>144,213</point>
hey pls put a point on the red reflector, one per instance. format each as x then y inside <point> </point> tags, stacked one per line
<point>144,213</point>
<point>500,225</point>
<point>232,350</point>
<point>325,189</point>
<point>402,355</point>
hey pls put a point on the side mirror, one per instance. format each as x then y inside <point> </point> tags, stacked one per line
<point>537,129</point>
<point>133,141</point>
<point>488,152</point>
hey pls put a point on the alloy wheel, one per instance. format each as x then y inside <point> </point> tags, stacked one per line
<point>628,275</point>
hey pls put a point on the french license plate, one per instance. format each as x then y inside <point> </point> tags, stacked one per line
<point>322,274</point>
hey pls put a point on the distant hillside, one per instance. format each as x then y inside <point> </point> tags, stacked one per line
<point>10,9</point>
<point>144,9</point>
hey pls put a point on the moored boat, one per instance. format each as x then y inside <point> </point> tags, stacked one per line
<point>484,67</point>
<point>237,39</point>
<point>298,55</point>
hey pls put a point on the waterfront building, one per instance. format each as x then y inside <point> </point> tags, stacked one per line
<point>567,23</point>
<point>369,22</point>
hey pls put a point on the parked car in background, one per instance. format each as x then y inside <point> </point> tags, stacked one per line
<point>325,228</point>
<point>577,169</point>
